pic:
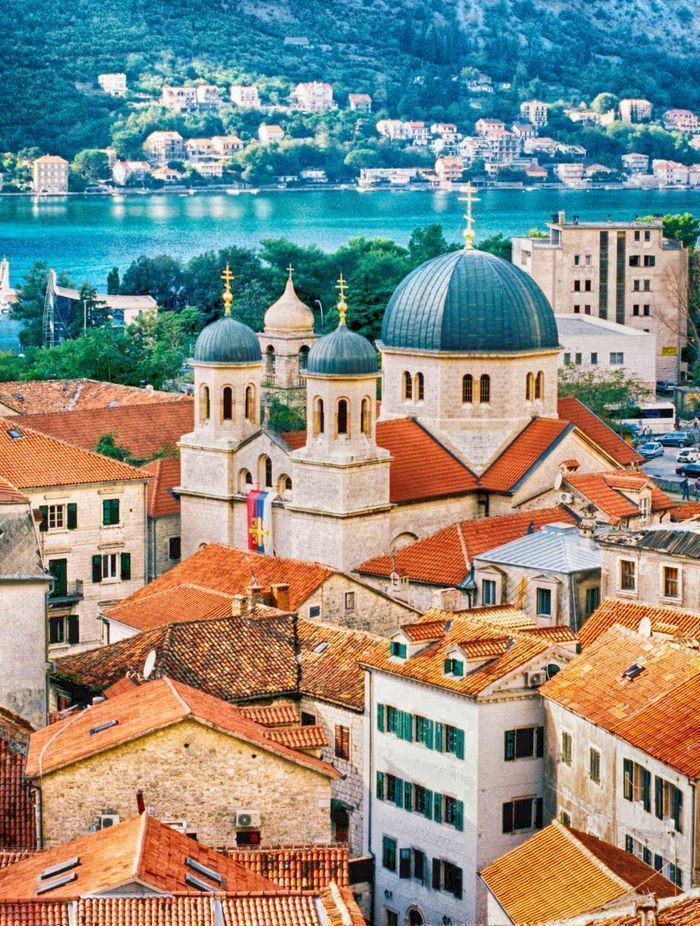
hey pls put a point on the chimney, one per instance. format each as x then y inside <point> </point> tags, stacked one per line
<point>279,594</point>
<point>254,594</point>
<point>647,911</point>
<point>238,605</point>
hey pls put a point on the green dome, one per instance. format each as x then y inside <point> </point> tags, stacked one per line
<point>227,341</point>
<point>342,353</point>
<point>469,302</point>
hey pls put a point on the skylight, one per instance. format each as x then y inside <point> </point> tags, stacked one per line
<point>103,726</point>
<point>321,647</point>
<point>193,881</point>
<point>634,670</point>
<point>57,882</point>
<point>15,433</point>
<point>203,870</point>
<point>60,867</point>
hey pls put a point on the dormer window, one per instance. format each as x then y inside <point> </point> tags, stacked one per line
<point>454,667</point>
<point>398,650</point>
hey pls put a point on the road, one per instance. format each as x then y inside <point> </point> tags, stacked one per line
<point>665,467</point>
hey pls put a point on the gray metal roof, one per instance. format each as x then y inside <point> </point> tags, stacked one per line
<point>342,353</point>
<point>469,301</point>
<point>554,548</point>
<point>227,341</point>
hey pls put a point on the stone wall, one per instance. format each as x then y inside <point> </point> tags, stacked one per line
<point>23,647</point>
<point>161,531</point>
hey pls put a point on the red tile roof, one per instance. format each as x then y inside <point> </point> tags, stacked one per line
<point>36,913</point>
<point>674,622</point>
<point>683,910</point>
<point>68,395</point>
<point>17,810</point>
<point>32,460</point>
<point>307,868</point>
<point>571,409</point>
<point>281,714</point>
<point>10,495</point>
<point>445,557</point>
<point>143,710</point>
<point>421,467</point>
<point>311,736</point>
<point>144,430</point>
<point>685,511</point>
<point>164,476</point>
<point>637,709</point>
<point>531,446</point>
<point>606,497</point>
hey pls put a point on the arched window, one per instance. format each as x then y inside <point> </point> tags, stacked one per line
<point>419,387</point>
<point>250,403</point>
<point>407,386</point>
<point>265,471</point>
<point>227,404</point>
<point>529,387</point>
<point>319,422</point>
<point>303,357</point>
<point>468,388</point>
<point>366,417</point>
<point>245,479</point>
<point>485,388</point>
<point>539,385</point>
<point>270,362</point>
<point>284,484</point>
<point>343,417</point>
<point>204,405</point>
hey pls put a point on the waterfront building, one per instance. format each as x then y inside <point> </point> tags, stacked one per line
<point>125,171</point>
<point>360,102</point>
<point>635,110</point>
<point>224,146</point>
<point>449,170</point>
<point>161,147</point>
<point>670,173</point>
<point>626,271</point>
<point>596,344</point>
<point>50,174</point>
<point>314,97</point>
<point>635,163</point>
<point>113,84</point>
<point>570,174</point>
<point>534,111</point>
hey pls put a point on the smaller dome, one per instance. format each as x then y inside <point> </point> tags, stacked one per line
<point>289,313</point>
<point>342,353</point>
<point>227,341</point>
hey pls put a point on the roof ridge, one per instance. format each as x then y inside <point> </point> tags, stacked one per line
<point>140,844</point>
<point>178,697</point>
<point>463,545</point>
<point>593,857</point>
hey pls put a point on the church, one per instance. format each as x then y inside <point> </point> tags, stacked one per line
<point>468,426</point>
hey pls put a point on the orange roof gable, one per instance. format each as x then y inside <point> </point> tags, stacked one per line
<point>535,442</point>
<point>608,499</point>
<point>571,409</point>
<point>68,395</point>
<point>670,621</point>
<point>164,476</point>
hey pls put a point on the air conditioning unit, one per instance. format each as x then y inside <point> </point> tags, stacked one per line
<point>245,819</point>
<point>107,820</point>
<point>535,679</point>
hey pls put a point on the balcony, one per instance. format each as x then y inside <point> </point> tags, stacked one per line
<point>66,593</point>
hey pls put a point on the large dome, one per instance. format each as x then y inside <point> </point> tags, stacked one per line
<point>469,302</point>
<point>227,341</point>
<point>342,353</point>
<point>289,313</point>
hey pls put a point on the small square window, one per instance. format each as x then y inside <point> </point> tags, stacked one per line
<point>398,649</point>
<point>594,766</point>
<point>349,601</point>
<point>315,610</point>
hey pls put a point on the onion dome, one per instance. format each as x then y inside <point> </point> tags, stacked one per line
<point>342,352</point>
<point>227,340</point>
<point>289,313</point>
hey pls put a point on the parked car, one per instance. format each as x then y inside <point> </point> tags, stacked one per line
<point>651,449</point>
<point>677,439</point>
<point>665,387</point>
<point>692,470</point>
<point>687,456</point>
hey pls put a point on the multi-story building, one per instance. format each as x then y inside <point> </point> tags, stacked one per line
<point>535,111</point>
<point>569,173</point>
<point>622,761</point>
<point>226,145</point>
<point>681,120</point>
<point>314,97</point>
<point>603,346</point>
<point>635,110</point>
<point>208,96</point>
<point>635,163</point>
<point>113,84</point>
<point>200,149</point>
<point>179,99</point>
<point>489,127</point>
<point>164,146</point>
<point>360,102</point>
<point>163,515</point>
<point>537,144</point>
<point>245,96</point>
<point>670,173</point>
<point>453,757</point>
<point>92,530</point>
<point>270,134</point>
<point>627,271</point>
<point>50,174</point>
<point>504,148</point>
<point>449,170</point>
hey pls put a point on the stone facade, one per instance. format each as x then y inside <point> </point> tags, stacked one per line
<point>659,578</point>
<point>193,773</point>
<point>163,544</point>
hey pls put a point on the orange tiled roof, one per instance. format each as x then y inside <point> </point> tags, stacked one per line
<point>561,872</point>
<point>605,496</point>
<point>637,710</point>
<point>10,495</point>
<point>421,466</point>
<point>531,446</point>
<point>9,857</point>
<point>273,715</point>
<point>671,621</point>
<point>571,409</point>
<point>145,430</point>
<point>683,910</point>
<point>35,913</point>
<point>141,711</point>
<point>33,460</point>
<point>445,557</point>
<point>685,511</point>
<point>17,810</point>
<point>164,476</point>
<point>308,868</point>
<point>67,395</point>
<point>141,848</point>
<point>311,736</point>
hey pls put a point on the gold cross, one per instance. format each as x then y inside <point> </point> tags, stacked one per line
<point>469,233</point>
<point>341,286</point>
<point>256,531</point>
<point>290,270</point>
<point>227,276</point>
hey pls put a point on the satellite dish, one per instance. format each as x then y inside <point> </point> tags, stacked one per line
<point>150,664</point>
<point>644,629</point>
<point>558,479</point>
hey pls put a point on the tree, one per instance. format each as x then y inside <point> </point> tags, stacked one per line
<point>92,165</point>
<point>601,391</point>
<point>427,242</point>
<point>281,418</point>
<point>113,281</point>
<point>160,277</point>
<point>604,102</point>
<point>29,306</point>
<point>497,244</point>
<point>684,228</point>
<point>107,445</point>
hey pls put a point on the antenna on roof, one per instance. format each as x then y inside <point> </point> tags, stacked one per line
<point>149,665</point>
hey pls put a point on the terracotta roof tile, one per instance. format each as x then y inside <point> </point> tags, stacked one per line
<point>311,736</point>
<point>164,476</point>
<point>676,911</point>
<point>9,857</point>
<point>32,460</point>
<point>531,446</point>
<point>611,611</point>
<point>10,495</point>
<point>560,873</point>
<point>146,911</point>
<point>445,557</point>
<point>153,706</point>
<point>612,502</point>
<point>571,409</point>
<point>637,709</point>
<point>17,810</point>
<point>144,430</point>
<point>273,715</point>
<point>308,868</point>
<point>685,511</point>
<point>68,395</point>
<point>37,913</point>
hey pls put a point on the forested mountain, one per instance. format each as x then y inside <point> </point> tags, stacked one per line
<point>407,53</point>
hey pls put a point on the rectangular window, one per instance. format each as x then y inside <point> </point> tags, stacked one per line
<point>592,599</point>
<point>577,286</point>
<point>398,649</point>
<point>307,719</point>
<point>58,568</point>
<point>617,358</point>
<point>647,308</point>
<point>647,286</point>
<point>635,309</point>
<point>349,601</point>
<point>594,359</point>
<point>342,741</point>
<point>577,260</point>
<point>671,582</point>
<point>578,359</point>
<point>587,309</point>
<point>567,358</point>
<point>628,575</point>
<point>424,731</point>
<point>174,548</point>
<point>419,865</point>
<point>634,260</point>
<point>587,286</point>
<point>544,602</point>
<point>646,856</point>
<point>523,743</point>
<point>453,812</point>
<point>649,260</point>
<point>629,844</point>
<point>594,766</point>
<point>110,511</point>
<point>658,862</point>
<point>488,592</point>
<point>315,610</point>
<point>675,875</point>
<point>64,629</point>
<point>620,280</point>
<point>405,863</point>
<point>452,879</point>
<point>604,247</point>
<point>577,310</point>
<point>454,741</point>
<point>420,795</point>
<point>56,517</point>
<point>454,667</point>
<point>522,814</point>
<point>391,917</point>
<point>647,236</point>
<point>635,286</point>
<point>637,236</point>
<point>566,748</point>
<point>628,779</point>
<point>565,818</point>
<point>389,853</point>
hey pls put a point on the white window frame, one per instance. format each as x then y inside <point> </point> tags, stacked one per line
<point>59,513</point>
<point>662,581</point>
<point>110,574</point>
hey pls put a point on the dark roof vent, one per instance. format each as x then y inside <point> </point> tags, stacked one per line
<point>103,726</point>
<point>634,670</point>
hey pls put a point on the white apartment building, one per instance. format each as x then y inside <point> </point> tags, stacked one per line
<point>570,174</point>
<point>635,163</point>
<point>112,84</point>
<point>453,757</point>
<point>208,96</point>
<point>124,171</point>
<point>164,146</point>
<point>540,145</point>
<point>681,120</point>
<point>245,96</point>
<point>226,145</point>
<point>360,102</point>
<point>535,111</point>
<point>489,127</point>
<point>597,344</point>
<point>635,110</point>
<point>179,99</point>
<point>50,174</point>
<point>313,97</point>
<point>670,173</point>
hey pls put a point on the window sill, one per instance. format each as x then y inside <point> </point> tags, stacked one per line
<point>109,527</point>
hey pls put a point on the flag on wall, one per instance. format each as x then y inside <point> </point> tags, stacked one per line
<point>259,521</point>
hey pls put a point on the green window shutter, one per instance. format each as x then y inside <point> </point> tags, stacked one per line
<point>428,804</point>
<point>437,870</point>
<point>457,667</point>
<point>380,786</point>
<point>429,734</point>
<point>437,807</point>
<point>628,779</point>
<point>380,717</point>
<point>509,750</point>
<point>659,797</point>
<point>72,516</point>
<point>447,667</point>
<point>44,511</point>
<point>539,734</point>
<point>97,568</point>
<point>459,743</point>
<point>459,815</point>
<point>126,565</point>
<point>405,863</point>
<point>399,792</point>
<point>458,883</point>
<point>407,795</point>
<point>538,813</point>
<point>508,817</point>
<point>408,727</point>
<point>437,740</point>
<point>73,628</point>
<point>646,789</point>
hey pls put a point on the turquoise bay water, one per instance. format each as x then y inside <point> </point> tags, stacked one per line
<point>87,235</point>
